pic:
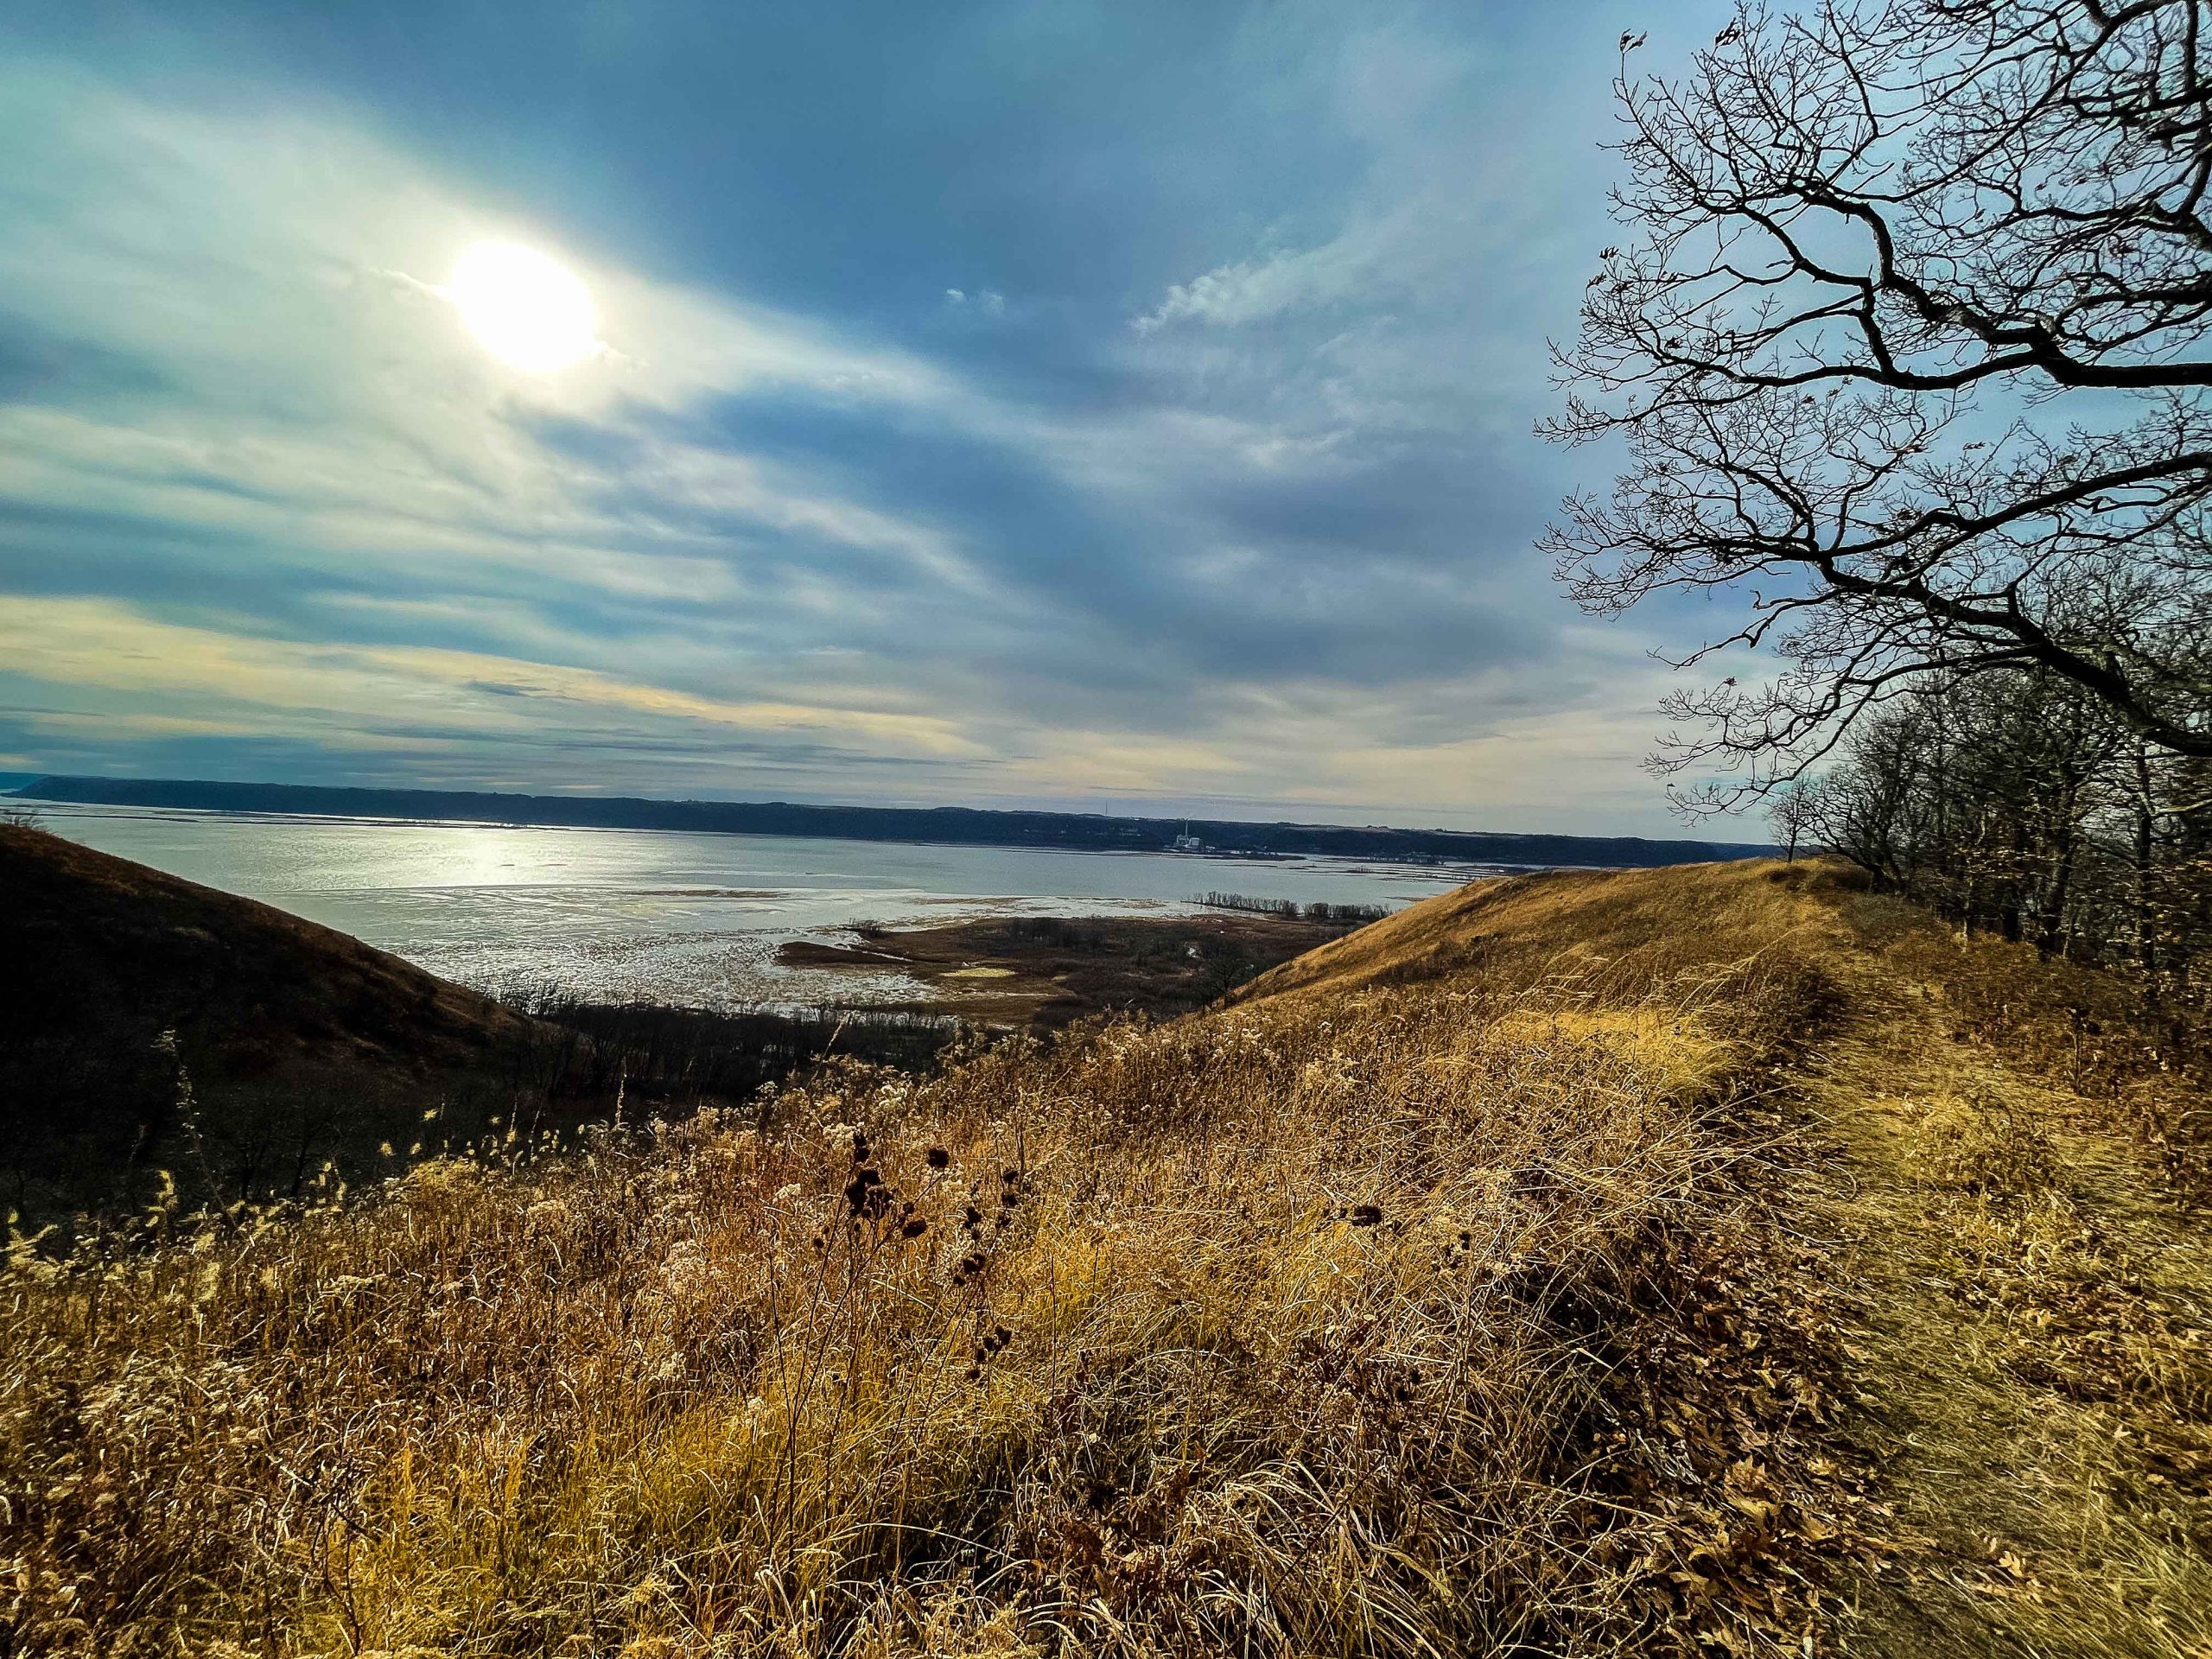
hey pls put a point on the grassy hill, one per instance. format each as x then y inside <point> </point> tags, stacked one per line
<point>297,1043</point>
<point>1706,1261</point>
<point>167,1042</point>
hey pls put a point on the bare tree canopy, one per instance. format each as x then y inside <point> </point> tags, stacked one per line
<point>1907,341</point>
<point>2019,802</point>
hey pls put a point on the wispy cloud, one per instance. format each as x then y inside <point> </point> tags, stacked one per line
<point>107,647</point>
<point>1230,501</point>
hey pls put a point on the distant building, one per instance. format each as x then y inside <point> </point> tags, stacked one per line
<point>1187,842</point>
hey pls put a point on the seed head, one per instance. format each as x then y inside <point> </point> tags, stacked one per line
<point>864,1193</point>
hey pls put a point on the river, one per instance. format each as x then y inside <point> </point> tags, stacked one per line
<point>688,919</point>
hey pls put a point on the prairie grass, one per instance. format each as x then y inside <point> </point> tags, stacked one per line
<point>2140,1065</point>
<point>1426,1301</point>
<point>2031,1322</point>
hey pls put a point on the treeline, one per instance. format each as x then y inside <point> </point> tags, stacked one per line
<point>2017,803</point>
<point>1291,909</point>
<point>659,1057</point>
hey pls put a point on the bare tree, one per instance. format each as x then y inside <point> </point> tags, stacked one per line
<point>1907,343</point>
<point>1790,808</point>
<point>2019,802</point>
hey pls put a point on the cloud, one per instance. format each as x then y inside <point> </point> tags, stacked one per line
<point>321,414</point>
<point>1233,502</point>
<point>1270,286</point>
<point>110,648</point>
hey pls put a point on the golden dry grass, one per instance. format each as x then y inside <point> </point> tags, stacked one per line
<point>2031,1318</point>
<point>1498,1280</point>
<point>1411,1318</point>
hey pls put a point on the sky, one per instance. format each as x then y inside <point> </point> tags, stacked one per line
<point>1122,407</point>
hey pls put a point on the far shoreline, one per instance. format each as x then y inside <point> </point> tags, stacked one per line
<point>1029,830</point>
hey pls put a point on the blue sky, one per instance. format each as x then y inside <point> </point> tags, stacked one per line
<point>1122,406</point>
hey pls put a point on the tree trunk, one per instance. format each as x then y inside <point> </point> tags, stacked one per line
<point>2146,949</point>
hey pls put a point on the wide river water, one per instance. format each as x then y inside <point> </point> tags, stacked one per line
<point>654,915</point>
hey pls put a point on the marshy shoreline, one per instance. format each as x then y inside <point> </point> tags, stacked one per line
<point>1047,971</point>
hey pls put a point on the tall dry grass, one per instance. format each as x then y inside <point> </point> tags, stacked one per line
<point>1411,1318</point>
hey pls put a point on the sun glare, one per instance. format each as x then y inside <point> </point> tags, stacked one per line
<point>529,310</point>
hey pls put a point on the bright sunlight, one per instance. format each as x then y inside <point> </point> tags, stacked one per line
<point>530,310</point>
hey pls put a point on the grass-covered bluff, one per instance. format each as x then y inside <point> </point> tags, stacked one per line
<point>1452,1292</point>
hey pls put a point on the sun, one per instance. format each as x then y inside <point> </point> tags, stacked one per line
<point>529,310</point>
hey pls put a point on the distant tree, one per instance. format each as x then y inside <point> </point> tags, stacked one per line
<point>1790,809</point>
<point>1866,809</point>
<point>1906,341</point>
<point>2019,803</point>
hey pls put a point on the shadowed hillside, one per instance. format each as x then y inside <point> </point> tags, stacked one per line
<point>171,1039</point>
<point>298,1041</point>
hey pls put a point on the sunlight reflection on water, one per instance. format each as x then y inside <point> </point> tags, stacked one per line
<point>692,920</point>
